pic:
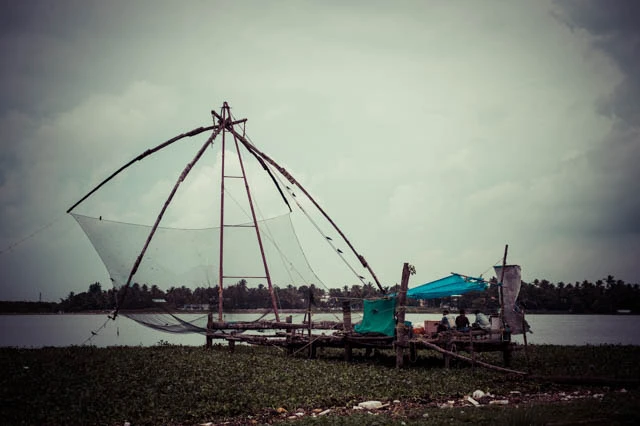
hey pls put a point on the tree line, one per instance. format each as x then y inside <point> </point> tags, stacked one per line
<point>605,296</point>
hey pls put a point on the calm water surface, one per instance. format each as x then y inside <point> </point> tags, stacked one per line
<point>66,330</point>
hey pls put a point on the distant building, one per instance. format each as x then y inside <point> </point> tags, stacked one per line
<point>195,307</point>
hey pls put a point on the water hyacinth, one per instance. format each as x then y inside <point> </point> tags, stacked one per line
<point>188,385</point>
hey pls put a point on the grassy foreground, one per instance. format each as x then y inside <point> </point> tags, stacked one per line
<point>167,385</point>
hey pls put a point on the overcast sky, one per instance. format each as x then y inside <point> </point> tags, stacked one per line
<point>433,133</point>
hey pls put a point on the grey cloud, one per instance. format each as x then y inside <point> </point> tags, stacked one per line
<point>614,30</point>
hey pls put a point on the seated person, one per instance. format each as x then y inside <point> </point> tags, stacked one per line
<point>482,321</point>
<point>462,322</point>
<point>444,322</point>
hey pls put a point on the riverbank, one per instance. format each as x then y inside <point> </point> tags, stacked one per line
<point>167,384</point>
<point>410,310</point>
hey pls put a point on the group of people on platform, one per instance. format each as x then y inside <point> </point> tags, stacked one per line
<point>461,322</point>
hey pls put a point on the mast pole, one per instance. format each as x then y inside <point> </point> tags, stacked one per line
<point>221,258</point>
<point>401,328</point>
<point>501,295</point>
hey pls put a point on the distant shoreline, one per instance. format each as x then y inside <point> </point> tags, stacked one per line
<point>289,311</point>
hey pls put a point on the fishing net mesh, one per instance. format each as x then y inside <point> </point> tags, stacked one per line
<point>191,257</point>
<point>171,323</point>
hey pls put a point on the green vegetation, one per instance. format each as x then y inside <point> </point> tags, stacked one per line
<point>28,307</point>
<point>187,385</point>
<point>602,297</point>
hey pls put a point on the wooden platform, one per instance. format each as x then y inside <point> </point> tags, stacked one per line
<point>309,335</point>
<point>295,338</point>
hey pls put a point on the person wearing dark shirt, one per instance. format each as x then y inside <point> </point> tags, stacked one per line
<point>462,322</point>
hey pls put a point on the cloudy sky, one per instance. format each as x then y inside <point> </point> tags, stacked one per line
<point>432,132</point>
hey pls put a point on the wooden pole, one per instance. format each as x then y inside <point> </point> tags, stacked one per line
<point>501,295</point>
<point>447,351</point>
<point>311,347</point>
<point>346,325</point>
<point>473,354</point>
<point>290,333</point>
<point>209,331</point>
<point>401,332</point>
<point>464,358</point>
<point>524,336</point>
<point>221,238</point>
<point>346,316</point>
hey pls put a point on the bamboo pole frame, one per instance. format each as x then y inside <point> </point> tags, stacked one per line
<point>223,125</point>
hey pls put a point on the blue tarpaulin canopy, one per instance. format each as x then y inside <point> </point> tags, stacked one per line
<point>449,286</point>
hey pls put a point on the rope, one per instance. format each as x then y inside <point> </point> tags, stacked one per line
<point>283,258</point>
<point>28,237</point>
<point>326,237</point>
<point>96,332</point>
<point>494,264</point>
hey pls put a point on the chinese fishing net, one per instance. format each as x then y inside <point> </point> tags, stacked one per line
<point>183,254</point>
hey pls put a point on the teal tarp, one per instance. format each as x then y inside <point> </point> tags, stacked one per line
<point>378,317</point>
<point>448,286</point>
